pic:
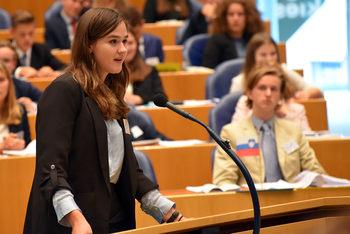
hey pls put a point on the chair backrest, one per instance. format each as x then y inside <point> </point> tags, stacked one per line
<point>194,48</point>
<point>222,113</point>
<point>5,19</point>
<point>218,84</point>
<point>54,9</point>
<point>145,164</point>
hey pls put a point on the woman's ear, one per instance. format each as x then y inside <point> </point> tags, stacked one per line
<point>249,93</point>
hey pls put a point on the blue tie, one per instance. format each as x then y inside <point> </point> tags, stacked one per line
<point>273,171</point>
<point>24,60</point>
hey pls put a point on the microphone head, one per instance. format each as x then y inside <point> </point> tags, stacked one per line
<point>160,100</point>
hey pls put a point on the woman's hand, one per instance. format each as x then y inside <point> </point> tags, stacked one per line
<point>133,99</point>
<point>302,95</point>
<point>177,219</point>
<point>78,223</point>
<point>11,142</point>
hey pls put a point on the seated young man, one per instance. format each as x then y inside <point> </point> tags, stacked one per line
<point>35,59</point>
<point>150,46</point>
<point>271,148</point>
<point>27,94</point>
<point>60,28</point>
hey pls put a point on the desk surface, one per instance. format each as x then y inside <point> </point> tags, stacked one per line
<point>303,209</point>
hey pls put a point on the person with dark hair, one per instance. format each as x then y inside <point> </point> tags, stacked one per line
<point>60,27</point>
<point>35,59</point>
<point>27,94</point>
<point>87,177</point>
<point>150,46</point>
<point>271,148</point>
<point>157,10</point>
<point>14,127</point>
<point>145,82</point>
<point>235,23</point>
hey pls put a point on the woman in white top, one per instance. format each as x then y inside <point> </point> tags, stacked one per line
<point>262,48</point>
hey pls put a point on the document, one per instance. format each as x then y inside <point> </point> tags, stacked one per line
<point>208,188</point>
<point>303,180</point>
<point>29,150</point>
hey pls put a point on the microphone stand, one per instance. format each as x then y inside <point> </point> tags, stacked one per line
<point>226,147</point>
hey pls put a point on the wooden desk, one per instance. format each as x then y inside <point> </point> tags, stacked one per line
<point>184,85</point>
<point>37,7</point>
<point>166,32</point>
<point>38,35</point>
<point>180,161</point>
<point>16,177</point>
<point>289,217</point>
<point>316,112</point>
<point>41,82</point>
<point>177,127</point>
<point>173,54</point>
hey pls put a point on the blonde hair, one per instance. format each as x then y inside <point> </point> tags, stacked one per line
<point>11,112</point>
<point>263,69</point>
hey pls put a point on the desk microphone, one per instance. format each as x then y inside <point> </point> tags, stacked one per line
<point>161,101</point>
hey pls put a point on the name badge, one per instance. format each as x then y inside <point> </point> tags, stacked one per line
<point>126,126</point>
<point>247,146</point>
<point>290,146</point>
<point>136,131</point>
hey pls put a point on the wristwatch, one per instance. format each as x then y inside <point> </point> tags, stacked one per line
<point>173,216</point>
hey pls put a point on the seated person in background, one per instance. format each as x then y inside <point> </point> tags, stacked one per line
<point>60,28</point>
<point>271,148</point>
<point>114,4</point>
<point>27,94</point>
<point>198,21</point>
<point>157,10</point>
<point>262,48</point>
<point>142,126</point>
<point>150,46</point>
<point>145,82</point>
<point>35,59</point>
<point>235,23</point>
<point>5,19</point>
<point>14,128</point>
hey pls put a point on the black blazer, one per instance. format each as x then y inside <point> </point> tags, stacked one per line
<point>218,49</point>
<point>72,153</point>
<point>197,25</point>
<point>41,56</point>
<point>23,126</point>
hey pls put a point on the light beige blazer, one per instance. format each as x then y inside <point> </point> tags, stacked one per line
<point>302,158</point>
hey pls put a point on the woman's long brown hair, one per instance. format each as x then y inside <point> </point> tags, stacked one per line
<point>109,95</point>
<point>11,112</point>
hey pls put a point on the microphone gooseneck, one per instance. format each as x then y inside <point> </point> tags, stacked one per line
<point>161,101</point>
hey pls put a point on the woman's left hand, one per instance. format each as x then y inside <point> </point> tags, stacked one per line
<point>302,95</point>
<point>11,142</point>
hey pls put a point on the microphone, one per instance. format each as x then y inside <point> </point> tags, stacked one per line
<point>161,101</point>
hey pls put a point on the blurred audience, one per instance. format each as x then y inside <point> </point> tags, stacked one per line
<point>150,46</point>
<point>145,82</point>
<point>157,10</point>
<point>60,27</point>
<point>235,23</point>
<point>35,59</point>
<point>14,127</point>
<point>27,94</point>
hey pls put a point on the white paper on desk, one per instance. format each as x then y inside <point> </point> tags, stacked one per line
<point>29,150</point>
<point>181,143</point>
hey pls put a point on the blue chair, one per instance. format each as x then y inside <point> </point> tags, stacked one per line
<point>54,9</point>
<point>218,84</point>
<point>5,19</point>
<point>222,113</point>
<point>145,164</point>
<point>193,49</point>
